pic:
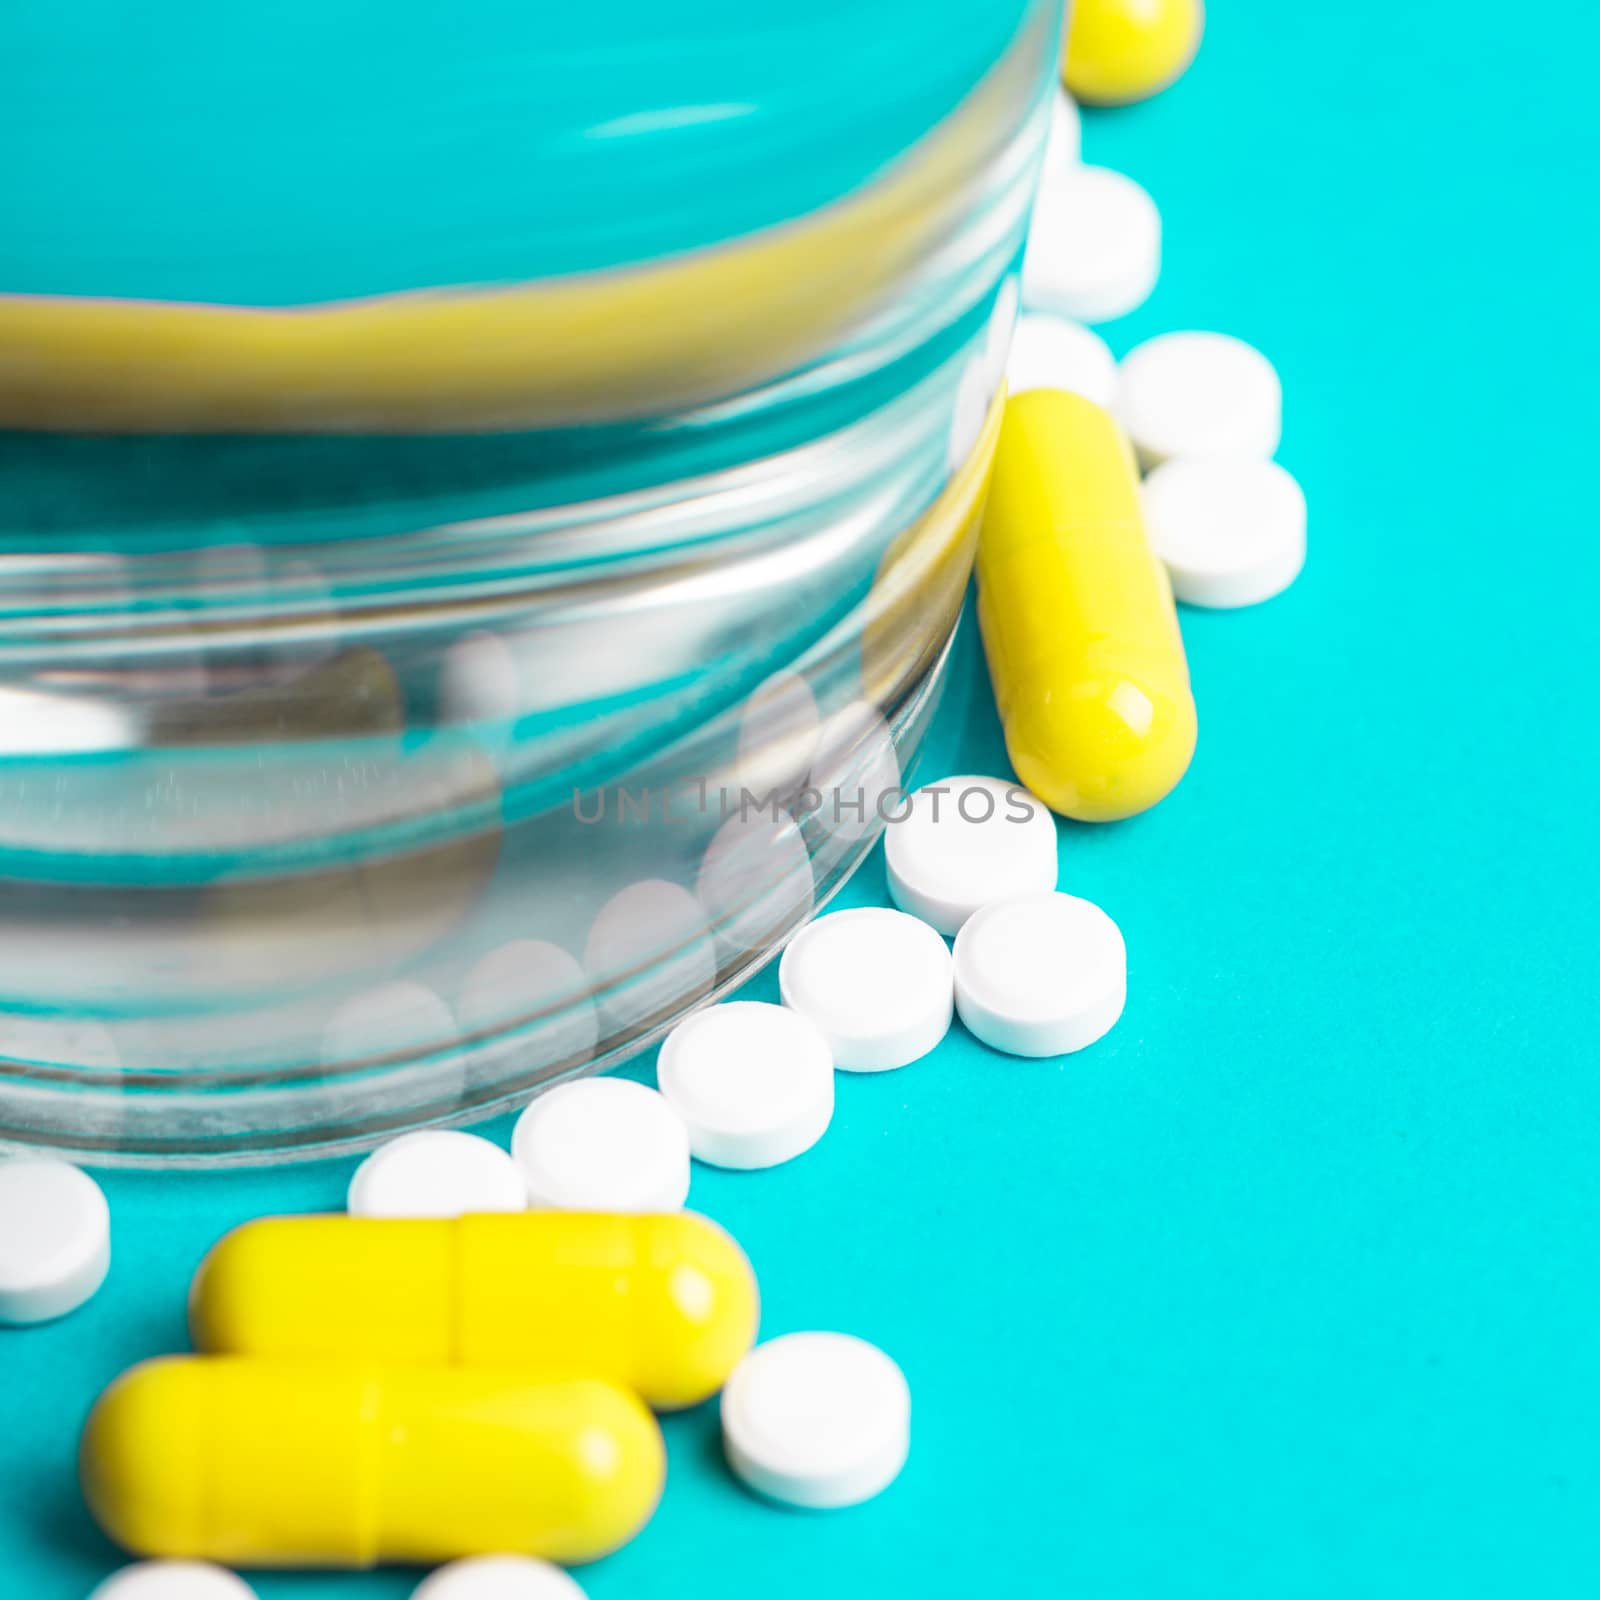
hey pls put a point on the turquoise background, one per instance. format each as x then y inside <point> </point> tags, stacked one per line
<point>1288,1288</point>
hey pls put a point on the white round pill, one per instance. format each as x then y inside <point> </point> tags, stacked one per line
<point>1094,247</point>
<point>602,1144</point>
<point>1064,145</point>
<point>55,1238</point>
<point>965,842</point>
<point>817,1420</point>
<point>1040,976</point>
<point>876,982</point>
<point>1199,394</point>
<point>498,1578</point>
<point>1051,352</point>
<point>436,1173</point>
<point>1231,532</point>
<point>753,1082</point>
<point>174,1580</point>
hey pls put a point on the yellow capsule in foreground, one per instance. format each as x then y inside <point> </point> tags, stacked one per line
<point>1124,50</point>
<point>664,1304</point>
<point>1077,616</point>
<point>276,1464</point>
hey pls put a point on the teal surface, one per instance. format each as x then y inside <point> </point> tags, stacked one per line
<point>1287,1290</point>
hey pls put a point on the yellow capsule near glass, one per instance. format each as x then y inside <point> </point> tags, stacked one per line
<point>664,1304</point>
<point>1119,51</point>
<point>275,1464</point>
<point>1077,616</point>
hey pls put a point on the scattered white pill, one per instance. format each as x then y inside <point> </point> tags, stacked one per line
<point>753,1082</point>
<point>602,1144</point>
<point>1064,145</point>
<point>755,880</point>
<point>498,1578</point>
<point>817,1420</point>
<point>649,953</point>
<point>876,982</point>
<point>1051,352</point>
<point>1199,394</point>
<point>1094,247</point>
<point>55,1239</point>
<point>174,1580</point>
<point>965,842</point>
<point>1231,532</point>
<point>436,1173</point>
<point>538,989</point>
<point>1040,976</point>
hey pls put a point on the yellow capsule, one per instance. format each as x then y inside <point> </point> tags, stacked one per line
<point>1077,616</point>
<point>663,1304</point>
<point>1124,50</point>
<point>287,1465</point>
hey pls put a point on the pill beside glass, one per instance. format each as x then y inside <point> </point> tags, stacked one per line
<point>1094,245</point>
<point>436,1173</point>
<point>963,842</point>
<point>752,1082</point>
<point>1077,618</point>
<point>1119,51</point>
<point>877,983</point>
<point>603,1144</point>
<point>55,1239</point>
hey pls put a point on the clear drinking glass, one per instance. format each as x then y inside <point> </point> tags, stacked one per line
<point>380,743</point>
